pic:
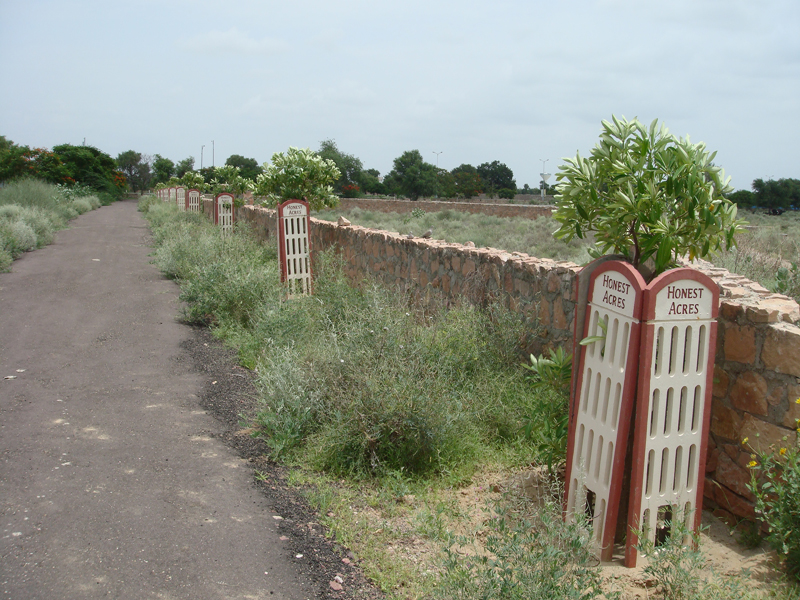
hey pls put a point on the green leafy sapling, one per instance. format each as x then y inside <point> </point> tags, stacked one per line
<point>299,174</point>
<point>647,195</point>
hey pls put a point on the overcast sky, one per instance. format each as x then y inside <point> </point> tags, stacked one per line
<point>517,81</point>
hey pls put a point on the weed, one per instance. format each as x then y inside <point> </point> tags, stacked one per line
<point>679,569</point>
<point>775,481</point>
<point>537,557</point>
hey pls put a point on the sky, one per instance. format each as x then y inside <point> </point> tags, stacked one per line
<point>517,81</point>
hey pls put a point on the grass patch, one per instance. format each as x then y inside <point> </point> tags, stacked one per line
<point>767,252</point>
<point>32,211</point>
<point>531,236</point>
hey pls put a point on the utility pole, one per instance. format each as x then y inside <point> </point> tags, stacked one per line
<point>437,171</point>
<point>212,153</point>
<point>201,156</point>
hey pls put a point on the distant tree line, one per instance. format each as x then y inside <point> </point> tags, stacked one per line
<point>773,194</point>
<point>65,164</point>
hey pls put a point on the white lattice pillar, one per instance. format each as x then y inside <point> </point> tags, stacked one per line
<point>673,405</point>
<point>602,400</point>
<point>294,247</point>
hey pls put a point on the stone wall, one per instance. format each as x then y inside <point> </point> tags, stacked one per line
<point>757,371</point>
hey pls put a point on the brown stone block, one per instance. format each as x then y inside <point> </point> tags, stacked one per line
<point>508,282</point>
<point>553,283</point>
<point>423,279</point>
<point>469,267</point>
<point>733,477</point>
<point>720,384</point>
<point>740,344</point>
<point>732,502</point>
<point>725,422</point>
<point>749,393</point>
<point>776,396</point>
<point>781,351</point>
<point>712,460</point>
<point>456,260</point>
<point>523,287</point>
<point>544,312</point>
<point>559,318</point>
<point>761,435</point>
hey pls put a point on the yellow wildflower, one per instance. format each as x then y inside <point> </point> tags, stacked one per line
<point>752,464</point>
<point>744,441</point>
<point>797,401</point>
<point>783,451</point>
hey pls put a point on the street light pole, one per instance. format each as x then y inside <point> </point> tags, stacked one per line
<point>212,153</point>
<point>437,171</point>
<point>545,175</point>
<point>201,156</point>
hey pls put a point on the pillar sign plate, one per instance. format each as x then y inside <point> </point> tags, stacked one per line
<point>603,399</point>
<point>684,300</point>
<point>673,405</point>
<point>294,247</point>
<point>223,212</point>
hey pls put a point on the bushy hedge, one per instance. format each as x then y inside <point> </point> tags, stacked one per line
<point>353,380</point>
<point>32,211</point>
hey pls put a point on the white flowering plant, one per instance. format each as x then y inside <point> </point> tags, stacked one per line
<point>299,174</point>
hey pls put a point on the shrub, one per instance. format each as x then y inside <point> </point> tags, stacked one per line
<point>81,205</point>
<point>679,570</point>
<point>540,557</point>
<point>17,237</point>
<point>646,195</point>
<point>5,258</point>
<point>506,193</point>
<point>775,481</point>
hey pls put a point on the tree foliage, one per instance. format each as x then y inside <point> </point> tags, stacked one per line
<point>184,166</point>
<point>248,167</point>
<point>22,161</point>
<point>163,169</point>
<point>92,167</point>
<point>412,176</point>
<point>496,176</point>
<point>646,194</point>
<point>777,193</point>
<point>299,174</point>
<point>350,167</point>
<point>136,168</point>
<point>229,179</point>
<point>467,183</point>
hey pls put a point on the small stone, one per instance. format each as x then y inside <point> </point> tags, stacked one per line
<point>335,586</point>
<point>342,222</point>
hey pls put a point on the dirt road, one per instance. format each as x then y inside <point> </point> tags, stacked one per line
<point>113,480</point>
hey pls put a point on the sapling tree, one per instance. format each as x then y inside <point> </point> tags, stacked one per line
<point>300,174</point>
<point>193,179</point>
<point>228,178</point>
<point>646,194</point>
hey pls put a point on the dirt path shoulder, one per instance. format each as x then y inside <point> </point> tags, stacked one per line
<point>116,478</point>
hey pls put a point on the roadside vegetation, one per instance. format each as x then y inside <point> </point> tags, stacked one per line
<point>531,236</point>
<point>426,446</point>
<point>31,211</point>
<point>768,251</point>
